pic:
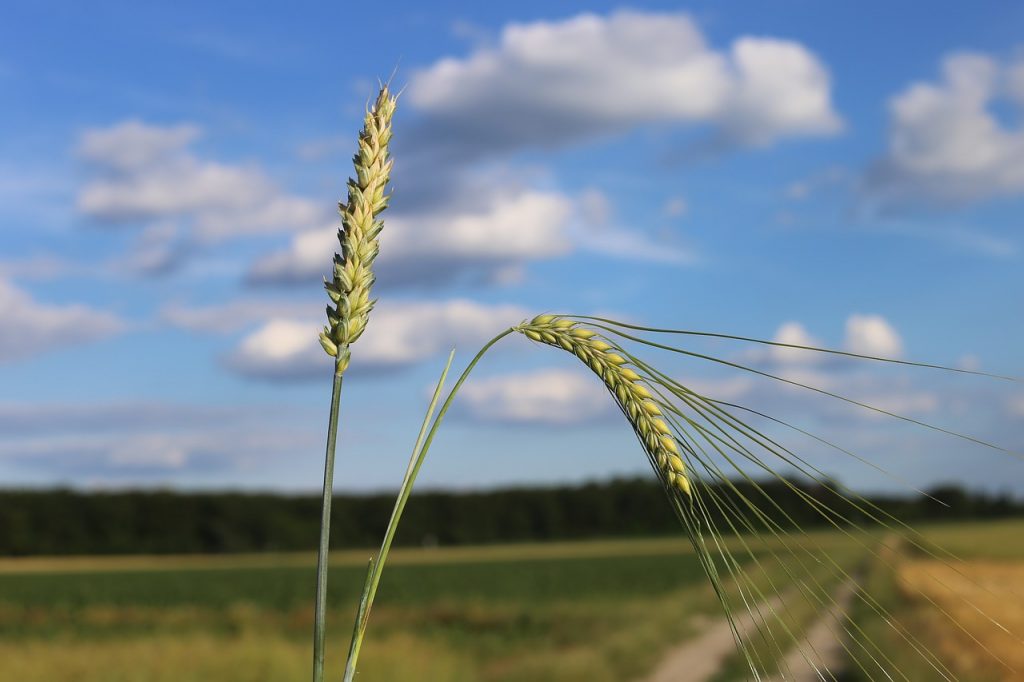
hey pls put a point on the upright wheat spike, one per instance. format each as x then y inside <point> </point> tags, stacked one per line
<point>624,383</point>
<point>349,291</point>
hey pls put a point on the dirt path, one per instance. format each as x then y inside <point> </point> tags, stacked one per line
<point>821,655</point>
<point>699,658</point>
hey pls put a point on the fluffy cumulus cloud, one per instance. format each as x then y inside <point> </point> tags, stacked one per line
<point>794,334</point>
<point>864,334</point>
<point>552,397</point>
<point>142,174</point>
<point>550,83</point>
<point>860,380</point>
<point>31,327</point>
<point>948,143</point>
<point>795,403</point>
<point>402,334</point>
<point>511,227</point>
<point>486,237</point>
<point>132,144</point>
<point>872,335</point>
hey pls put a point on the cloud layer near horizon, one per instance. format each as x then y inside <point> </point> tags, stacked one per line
<point>31,327</point>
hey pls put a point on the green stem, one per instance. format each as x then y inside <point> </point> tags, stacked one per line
<point>319,618</point>
<point>419,453</point>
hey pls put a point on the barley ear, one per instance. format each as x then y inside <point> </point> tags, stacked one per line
<point>625,385</point>
<point>349,288</point>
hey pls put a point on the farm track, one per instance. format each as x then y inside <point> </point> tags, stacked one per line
<point>699,658</point>
<point>821,654</point>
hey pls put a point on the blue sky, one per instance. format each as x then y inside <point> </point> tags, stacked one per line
<point>849,174</point>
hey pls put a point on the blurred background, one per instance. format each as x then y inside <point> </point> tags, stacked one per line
<point>848,175</point>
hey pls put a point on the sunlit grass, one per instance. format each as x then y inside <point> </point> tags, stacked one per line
<point>502,613</point>
<point>202,657</point>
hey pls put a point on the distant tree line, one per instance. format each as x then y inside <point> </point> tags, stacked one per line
<point>62,522</point>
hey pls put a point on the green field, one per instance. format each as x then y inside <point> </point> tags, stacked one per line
<point>573,610</point>
<point>601,610</point>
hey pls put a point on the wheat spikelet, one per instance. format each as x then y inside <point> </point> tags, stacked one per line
<point>349,290</point>
<point>637,403</point>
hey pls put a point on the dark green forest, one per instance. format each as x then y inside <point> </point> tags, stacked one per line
<point>64,522</point>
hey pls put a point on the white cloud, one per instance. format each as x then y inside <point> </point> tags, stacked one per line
<point>488,238</point>
<point>946,142</point>
<point>780,89</point>
<point>552,397</point>
<point>795,334</point>
<point>281,349</point>
<point>134,144</point>
<point>30,327</point>
<point>528,224</point>
<point>864,334</point>
<point>307,257</point>
<point>856,379</point>
<point>401,333</point>
<point>872,335</point>
<point>147,173</point>
<point>553,82</point>
<point>509,228</point>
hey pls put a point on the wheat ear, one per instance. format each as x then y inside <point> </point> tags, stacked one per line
<point>635,400</point>
<point>349,291</point>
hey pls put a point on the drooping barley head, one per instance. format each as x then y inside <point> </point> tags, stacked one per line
<point>632,396</point>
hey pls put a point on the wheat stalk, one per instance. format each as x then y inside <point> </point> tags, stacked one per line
<point>347,316</point>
